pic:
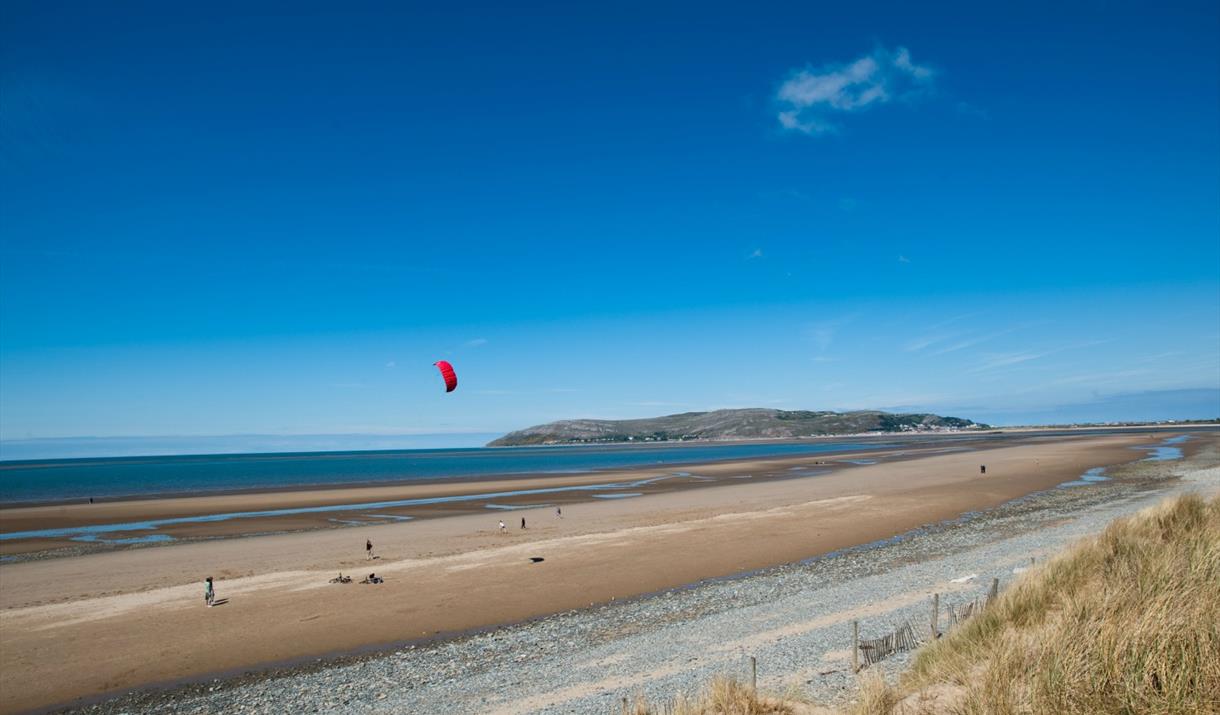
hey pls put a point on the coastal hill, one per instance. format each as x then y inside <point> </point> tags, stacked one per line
<point>752,423</point>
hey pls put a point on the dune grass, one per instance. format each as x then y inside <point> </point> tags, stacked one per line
<point>1126,622</point>
<point>725,696</point>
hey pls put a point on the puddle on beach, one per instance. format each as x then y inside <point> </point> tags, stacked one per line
<point>515,507</point>
<point>804,472</point>
<point>149,539</point>
<point>1163,452</point>
<point>96,532</point>
<point>1092,476</point>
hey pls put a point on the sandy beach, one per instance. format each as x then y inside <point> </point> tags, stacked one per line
<point>84,626</point>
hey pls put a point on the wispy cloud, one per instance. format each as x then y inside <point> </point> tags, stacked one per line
<point>810,96</point>
<point>391,364</point>
<point>994,360</point>
<point>998,360</point>
<point>756,253</point>
<point>477,342</point>
<point>1099,378</point>
<point>971,342</point>
<point>923,342</point>
<point>903,259</point>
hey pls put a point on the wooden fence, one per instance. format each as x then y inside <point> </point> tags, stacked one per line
<point>904,638</point>
<point>874,650</point>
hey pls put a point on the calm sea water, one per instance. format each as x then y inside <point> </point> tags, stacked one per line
<point>46,480</point>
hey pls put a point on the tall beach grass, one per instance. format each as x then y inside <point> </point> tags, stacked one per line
<point>1125,622</point>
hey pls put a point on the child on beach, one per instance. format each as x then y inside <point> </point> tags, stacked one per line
<point>503,528</point>
<point>368,549</point>
<point>559,512</point>
<point>209,593</point>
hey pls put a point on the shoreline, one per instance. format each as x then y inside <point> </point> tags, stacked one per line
<point>460,575</point>
<point>58,529</point>
<point>225,515</point>
<point>863,439</point>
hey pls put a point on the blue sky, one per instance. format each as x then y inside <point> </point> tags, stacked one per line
<point>233,221</point>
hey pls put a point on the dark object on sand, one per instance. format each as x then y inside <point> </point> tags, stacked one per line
<point>537,559</point>
<point>982,469</point>
<point>373,578</point>
<point>341,579</point>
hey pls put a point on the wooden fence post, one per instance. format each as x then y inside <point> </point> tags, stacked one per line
<point>995,588</point>
<point>855,646</point>
<point>754,674</point>
<point>935,615</point>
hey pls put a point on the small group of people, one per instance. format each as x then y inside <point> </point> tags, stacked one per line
<point>209,588</point>
<point>504,527</point>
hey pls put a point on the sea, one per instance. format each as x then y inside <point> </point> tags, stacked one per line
<point>53,480</point>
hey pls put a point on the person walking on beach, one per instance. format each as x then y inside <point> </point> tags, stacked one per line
<point>523,522</point>
<point>559,512</point>
<point>368,549</point>
<point>503,528</point>
<point>209,593</point>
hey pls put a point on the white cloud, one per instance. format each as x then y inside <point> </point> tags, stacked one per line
<point>992,361</point>
<point>811,95</point>
<point>757,253</point>
<point>903,259</point>
<point>971,342</point>
<point>995,360</point>
<point>477,342</point>
<point>914,346</point>
<point>391,364</point>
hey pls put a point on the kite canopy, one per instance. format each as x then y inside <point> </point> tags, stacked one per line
<point>447,373</point>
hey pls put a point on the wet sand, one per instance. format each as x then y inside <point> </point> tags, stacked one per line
<point>457,497</point>
<point>80,627</point>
